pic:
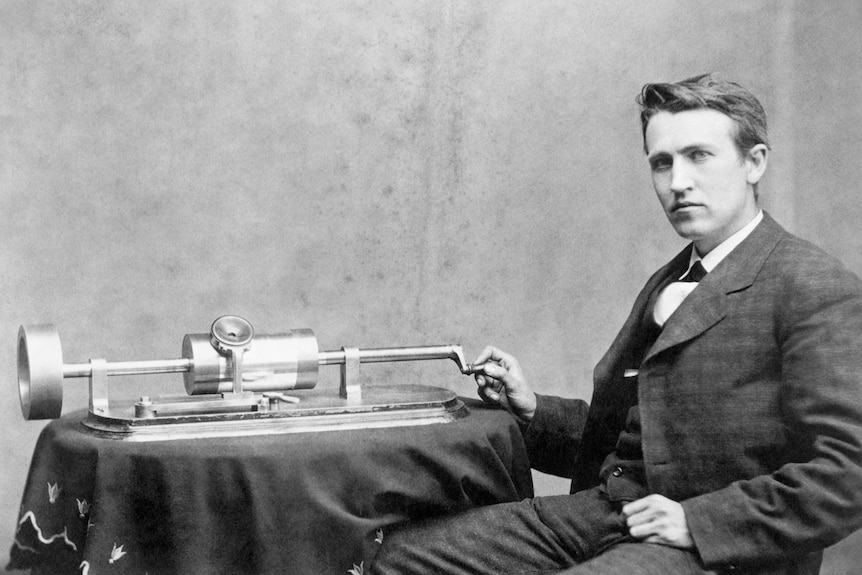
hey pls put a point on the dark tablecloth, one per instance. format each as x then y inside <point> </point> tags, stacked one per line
<point>293,503</point>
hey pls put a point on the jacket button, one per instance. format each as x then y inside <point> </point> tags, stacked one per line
<point>617,472</point>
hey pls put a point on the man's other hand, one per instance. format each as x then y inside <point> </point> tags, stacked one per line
<point>501,382</point>
<point>657,519</point>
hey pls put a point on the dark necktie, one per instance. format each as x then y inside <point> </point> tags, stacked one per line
<point>695,274</point>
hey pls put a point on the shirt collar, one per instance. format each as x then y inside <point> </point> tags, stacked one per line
<point>714,257</point>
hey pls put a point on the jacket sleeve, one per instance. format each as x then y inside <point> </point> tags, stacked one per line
<point>814,499</point>
<point>553,436</point>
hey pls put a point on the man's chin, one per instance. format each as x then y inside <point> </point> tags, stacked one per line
<point>688,230</point>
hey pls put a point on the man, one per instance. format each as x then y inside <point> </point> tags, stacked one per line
<point>725,429</point>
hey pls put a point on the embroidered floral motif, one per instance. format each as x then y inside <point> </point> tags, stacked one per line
<point>83,508</point>
<point>116,553</point>
<point>379,538</point>
<point>53,492</point>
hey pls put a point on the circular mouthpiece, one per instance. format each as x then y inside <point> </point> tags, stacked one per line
<point>231,332</point>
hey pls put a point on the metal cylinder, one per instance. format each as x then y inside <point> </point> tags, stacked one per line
<point>272,363</point>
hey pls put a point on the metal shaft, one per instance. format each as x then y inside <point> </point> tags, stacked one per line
<point>387,354</point>
<point>379,355</point>
<point>131,367</point>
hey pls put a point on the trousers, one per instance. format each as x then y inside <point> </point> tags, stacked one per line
<point>578,534</point>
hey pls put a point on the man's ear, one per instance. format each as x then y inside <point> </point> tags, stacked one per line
<point>756,162</point>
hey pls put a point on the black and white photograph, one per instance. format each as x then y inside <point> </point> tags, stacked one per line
<point>417,287</point>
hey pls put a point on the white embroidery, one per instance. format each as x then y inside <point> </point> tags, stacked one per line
<point>116,553</point>
<point>46,540</point>
<point>53,492</point>
<point>83,507</point>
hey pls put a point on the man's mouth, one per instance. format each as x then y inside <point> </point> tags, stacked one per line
<point>683,205</point>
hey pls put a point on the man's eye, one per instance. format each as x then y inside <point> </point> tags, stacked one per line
<point>661,165</point>
<point>699,155</point>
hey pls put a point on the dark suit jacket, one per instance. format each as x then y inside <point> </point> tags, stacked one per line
<point>750,402</point>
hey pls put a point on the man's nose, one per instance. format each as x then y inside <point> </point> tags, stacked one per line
<point>680,178</point>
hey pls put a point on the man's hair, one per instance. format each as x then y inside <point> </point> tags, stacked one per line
<point>711,93</point>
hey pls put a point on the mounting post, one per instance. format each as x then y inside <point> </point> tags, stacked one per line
<point>350,388</point>
<point>98,386</point>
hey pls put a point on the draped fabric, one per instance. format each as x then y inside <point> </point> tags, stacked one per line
<point>306,503</point>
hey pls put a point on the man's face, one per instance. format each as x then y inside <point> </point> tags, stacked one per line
<point>703,184</point>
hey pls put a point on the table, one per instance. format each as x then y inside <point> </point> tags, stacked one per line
<point>303,503</point>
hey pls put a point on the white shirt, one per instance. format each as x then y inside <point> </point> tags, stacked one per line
<point>673,295</point>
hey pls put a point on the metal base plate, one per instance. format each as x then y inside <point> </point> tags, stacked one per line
<point>380,406</point>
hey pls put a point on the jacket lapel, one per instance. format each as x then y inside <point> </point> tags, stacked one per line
<point>623,353</point>
<point>707,304</point>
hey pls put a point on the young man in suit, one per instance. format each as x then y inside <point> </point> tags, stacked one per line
<point>724,434</point>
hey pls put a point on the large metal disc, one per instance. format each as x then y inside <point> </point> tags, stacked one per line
<point>40,372</point>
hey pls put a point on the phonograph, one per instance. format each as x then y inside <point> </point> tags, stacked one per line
<point>236,382</point>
